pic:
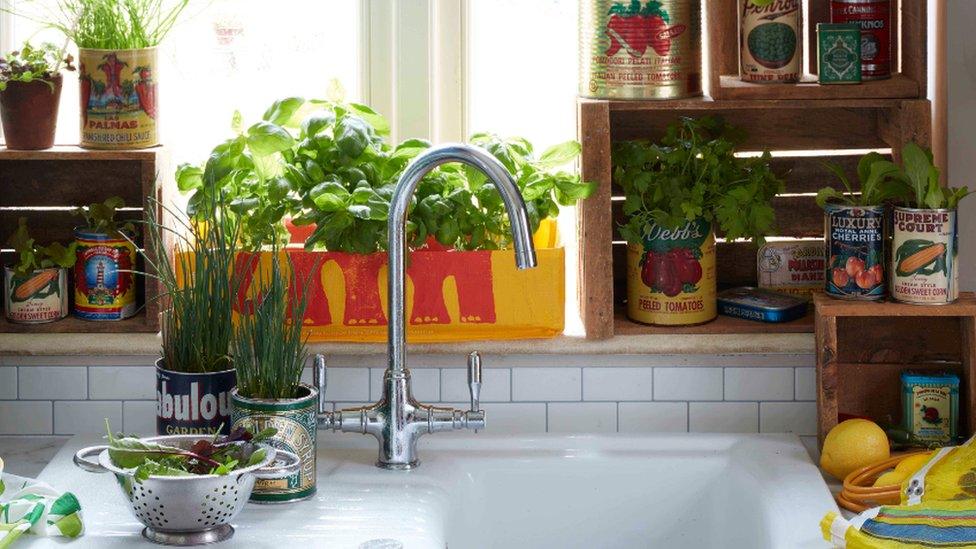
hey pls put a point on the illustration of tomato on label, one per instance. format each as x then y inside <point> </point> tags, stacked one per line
<point>635,27</point>
<point>673,272</point>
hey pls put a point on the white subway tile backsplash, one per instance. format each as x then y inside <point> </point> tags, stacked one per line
<point>52,382</point>
<point>723,417</point>
<point>496,385</point>
<point>139,418</point>
<point>582,417</point>
<point>125,383</point>
<point>806,384</point>
<point>758,384</point>
<point>346,384</point>
<point>426,384</point>
<point>26,418</point>
<point>688,384</point>
<point>8,383</point>
<point>547,384</point>
<point>86,417</point>
<point>612,384</point>
<point>513,417</point>
<point>652,417</point>
<point>788,417</point>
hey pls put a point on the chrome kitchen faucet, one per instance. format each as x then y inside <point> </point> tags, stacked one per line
<point>398,420</point>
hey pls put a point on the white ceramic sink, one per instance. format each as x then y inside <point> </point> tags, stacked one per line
<point>477,491</point>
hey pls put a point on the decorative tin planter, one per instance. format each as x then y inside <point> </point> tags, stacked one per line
<point>104,284</point>
<point>295,419</point>
<point>41,296</point>
<point>671,278</point>
<point>193,403</point>
<point>924,257</point>
<point>855,252</point>
<point>119,106</point>
<point>771,41</point>
<point>29,111</point>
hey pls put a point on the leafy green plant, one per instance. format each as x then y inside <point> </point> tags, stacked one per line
<point>919,172</point>
<point>100,217</point>
<point>693,173</point>
<point>268,346</point>
<point>30,64</point>
<point>107,24</point>
<point>30,256</point>
<point>878,178</point>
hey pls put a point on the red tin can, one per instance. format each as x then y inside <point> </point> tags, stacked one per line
<point>875,19</point>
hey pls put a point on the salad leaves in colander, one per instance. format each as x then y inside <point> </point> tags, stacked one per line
<point>217,455</point>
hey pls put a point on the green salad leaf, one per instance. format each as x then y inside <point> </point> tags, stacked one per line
<point>30,256</point>
<point>919,171</point>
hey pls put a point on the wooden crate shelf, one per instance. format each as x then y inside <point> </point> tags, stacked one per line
<point>44,186</point>
<point>862,349</point>
<point>908,83</point>
<point>721,325</point>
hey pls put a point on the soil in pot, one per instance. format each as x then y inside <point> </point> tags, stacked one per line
<point>29,111</point>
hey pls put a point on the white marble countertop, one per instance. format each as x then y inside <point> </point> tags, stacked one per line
<point>27,456</point>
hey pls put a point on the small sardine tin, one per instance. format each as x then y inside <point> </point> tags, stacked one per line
<point>761,305</point>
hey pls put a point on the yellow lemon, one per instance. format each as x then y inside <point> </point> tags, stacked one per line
<point>909,466</point>
<point>889,478</point>
<point>853,444</point>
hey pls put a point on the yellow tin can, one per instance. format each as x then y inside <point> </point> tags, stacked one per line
<point>104,282</point>
<point>117,96</point>
<point>671,279</point>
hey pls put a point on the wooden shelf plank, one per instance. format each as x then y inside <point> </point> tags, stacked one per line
<point>826,306</point>
<point>898,86</point>
<point>721,325</point>
<point>709,104</point>
<point>74,325</point>
<point>72,152</point>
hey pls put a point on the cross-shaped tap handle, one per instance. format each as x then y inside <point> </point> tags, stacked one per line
<point>474,380</point>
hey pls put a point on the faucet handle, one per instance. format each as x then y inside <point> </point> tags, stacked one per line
<point>319,379</point>
<point>474,380</point>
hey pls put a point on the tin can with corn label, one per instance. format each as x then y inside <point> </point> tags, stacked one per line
<point>925,250</point>
<point>671,278</point>
<point>855,251</point>
<point>874,17</point>
<point>35,297</point>
<point>795,268</point>
<point>104,282</point>
<point>117,95</point>
<point>771,41</point>
<point>640,49</point>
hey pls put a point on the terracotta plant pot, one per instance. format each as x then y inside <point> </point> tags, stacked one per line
<point>29,111</point>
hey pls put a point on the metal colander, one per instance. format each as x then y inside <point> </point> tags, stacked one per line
<point>189,510</point>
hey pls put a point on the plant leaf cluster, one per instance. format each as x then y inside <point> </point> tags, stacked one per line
<point>107,24</point>
<point>30,64</point>
<point>919,172</point>
<point>100,217</point>
<point>31,256</point>
<point>693,173</point>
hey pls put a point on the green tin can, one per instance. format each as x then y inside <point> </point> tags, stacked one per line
<point>839,53</point>
<point>295,419</point>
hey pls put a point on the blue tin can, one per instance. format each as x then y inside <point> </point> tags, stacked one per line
<point>193,403</point>
<point>930,405</point>
<point>761,305</point>
<point>855,240</point>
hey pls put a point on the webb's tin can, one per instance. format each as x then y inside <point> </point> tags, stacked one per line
<point>671,277</point>
<point>640,50</point>
<point>925,250</point>
<point>838,53</point>
<point>36,297</point>
<point>855,251</point>
<point>295,420</point>
<point>874,19</point>
<point>770,37</point>
<point>930,405</point>
<point>191,403</point>
<point>117,90</point>
<point>104,285</point>
<point>761,305</point>
<point>795,268</point>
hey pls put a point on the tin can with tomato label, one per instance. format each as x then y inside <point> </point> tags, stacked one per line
<point>771,42</point>
<point>640,49</point>
<point>855,252</point>
<point>671,276</point>
<point>874,17</point>
<point>117,96</point>
<point>925,248</point>
<point>104,282</point>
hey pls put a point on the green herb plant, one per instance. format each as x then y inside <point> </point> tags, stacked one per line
<point>31,257</point>
<point>30,64</point>
<point>100,217</point>
<point>693,173</point>
<point>919,172</point>
<point>878,180</point>
<point>107,24</point>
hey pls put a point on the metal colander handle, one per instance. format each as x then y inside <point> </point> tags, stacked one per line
<point>284,464</point>
<point>82,461</point>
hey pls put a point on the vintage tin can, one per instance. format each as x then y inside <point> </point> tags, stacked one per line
<point>771,41</point>
<point>671,278</point>
<point>38,297</point>
<point>117,95</point>
<point>925,248</point>
<point>795,268</point>
<point>930,405</point>
<point>761,305</point>
<point>104,284</point>
<point>839,53</point>
<point>295,420</point>
<point>640,49</point>
<point>193,403</point>
<point>874,18</point>
<point>855,251</point>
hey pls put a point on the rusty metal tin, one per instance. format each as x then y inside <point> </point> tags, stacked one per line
<point>771,41</point>
<point>35,298</point>
<point>924,256</point>
<point>640,50</point>
<point>874,17</point>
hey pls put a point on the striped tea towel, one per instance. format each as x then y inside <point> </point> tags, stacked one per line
<point>35,507</point>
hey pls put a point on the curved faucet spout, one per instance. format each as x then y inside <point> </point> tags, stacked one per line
<point>422,165</point>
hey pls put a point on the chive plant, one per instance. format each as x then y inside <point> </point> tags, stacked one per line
<point>108,24</point>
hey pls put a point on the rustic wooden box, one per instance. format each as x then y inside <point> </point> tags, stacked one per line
<point>802,133</point>
<point>44,186</point>
<point>863,347</point>
<point>909,35</point>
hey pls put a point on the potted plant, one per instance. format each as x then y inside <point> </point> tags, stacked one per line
<point>925,240</point>
<point>35,288</point>
<point>30,91</point>
<point>269,354</point>
<point>678,192</point>
<point>104,281</point>
<point>854,228</point>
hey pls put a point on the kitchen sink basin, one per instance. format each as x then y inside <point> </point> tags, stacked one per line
<point>550,491</point>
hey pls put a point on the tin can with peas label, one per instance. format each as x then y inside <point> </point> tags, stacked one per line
<point>771,41</point>
<point>855,252</point>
